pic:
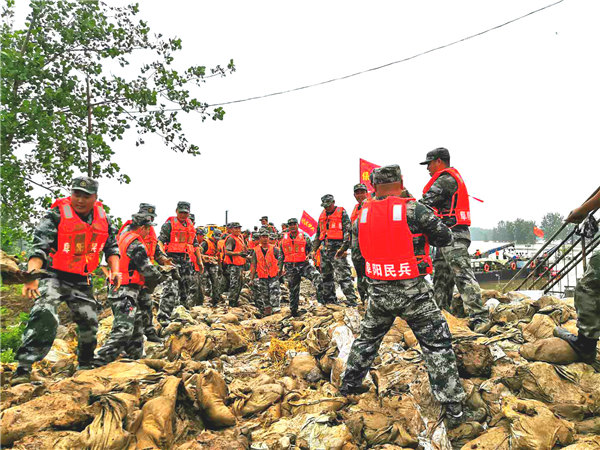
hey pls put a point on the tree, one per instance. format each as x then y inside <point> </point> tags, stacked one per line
<point>68,91</point>
<point>551,222</point>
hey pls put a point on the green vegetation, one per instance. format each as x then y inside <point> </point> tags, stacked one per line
<point>11,335</point>
<point>520,230</point>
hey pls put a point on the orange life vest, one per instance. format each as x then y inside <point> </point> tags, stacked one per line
<point>266,265</point>
<point>459,206</point>
<point>221,250</point>
<point>133,277</point>
<point>211,250</point>
<point>294,249</point>
<point>150,240</point>
<point>239,247</point>
<point>355,212</point>
<point>330,226</point>
<point>318,257</point>
<point>79,244</point>
<point>182,237</point>
<point>193,258</point>
<point>386,241</point>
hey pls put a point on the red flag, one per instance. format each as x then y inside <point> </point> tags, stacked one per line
<point>365,170</point>
<point>308,224</point>
<point>538,232</point>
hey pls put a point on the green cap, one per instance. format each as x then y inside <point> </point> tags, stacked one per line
<point>440,152</point>
<point>141,219</point>
<point>327,200</point>
<point>183,207</point>
<point>148,209</point>
<point>387,174</point>
<point>360,187</point>
<point>235,225</point>
<point>292,221</point>
<point>85,184</point>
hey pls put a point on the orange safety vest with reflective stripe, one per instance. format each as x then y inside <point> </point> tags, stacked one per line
<point>182,237</point>
<point>150,241</point>
<point>79,244</point>
<point>129,277</point>
<point>294,249</point>
<point>330,226</point>
<point>459,205</point>
<point>266,265</point>
<point>239,247</point>
<point>386,241</point>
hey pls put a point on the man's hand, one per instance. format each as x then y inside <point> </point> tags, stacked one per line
<point>576,216</point>
<point>115,279</point>
<point>31,289</point>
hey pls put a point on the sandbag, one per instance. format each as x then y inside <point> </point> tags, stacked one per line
<point>48,412</point>
<point>55,440</point>
<point>395,378</point>
<point>513,312</point>
<point>229,339</point>
<point>552,350</point>
<point>319,432</point>
<point>211,392</point>
<point>585,443</point>
<point>540,327</point>
<point>459,328</point>
<point>473,359</point>
<point>304,366</point>
<point>259,400</point>
<point>154,429</point>
<point>533,426</point>
<point>192,342</point>
<point>22,393</point>
<point>496,438</point>
<point>310,402</point>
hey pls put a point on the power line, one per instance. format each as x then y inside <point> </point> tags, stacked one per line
<point>388,64</point>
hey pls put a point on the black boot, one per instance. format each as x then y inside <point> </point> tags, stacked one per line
<point>347,390</point>
<point>454,414</point>
<point>21,375</point>
<point>152,336</point>
<point>85,356</point>
<point>583,346</point>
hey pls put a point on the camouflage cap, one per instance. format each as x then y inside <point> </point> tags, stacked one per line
<point>359,187</point>
<point>235,225</point>
<point>265,218</point>
<point>263,232</point>
<point>85,184</point>
<point>439,152</point>
<point>255,235</point>
<point>217,233</point>
<point>201,231</point>
<point>140,220</point>
<point>292,221</point>
<point>183,207</point>
<point>387,174</point>
<point>327,200</point>
<point>273,236</point>
<point>148,209</point>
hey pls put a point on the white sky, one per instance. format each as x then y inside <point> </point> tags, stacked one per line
<point>516,107</point>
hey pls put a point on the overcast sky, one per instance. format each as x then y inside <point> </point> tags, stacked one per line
<point>517,107</point>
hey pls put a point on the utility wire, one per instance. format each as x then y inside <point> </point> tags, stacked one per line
<point>391,63</point>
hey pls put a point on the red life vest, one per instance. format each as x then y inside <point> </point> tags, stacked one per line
<point>386,241</point>
<point>459,208</point>
<point>150,240</point>
<point>125,240</point>
<point>193,258</point>
<point>239,247</point>
<point>294,249</point>
<point>266,265</point>
<point>330,226</point>
<point>79,244</point>
<point>182,238</point>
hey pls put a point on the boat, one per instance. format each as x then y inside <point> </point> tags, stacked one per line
<point>495,270</point>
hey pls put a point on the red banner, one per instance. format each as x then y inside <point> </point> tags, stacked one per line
<point>538,232</point>
<point>308,224</point>
<point>365,170</point>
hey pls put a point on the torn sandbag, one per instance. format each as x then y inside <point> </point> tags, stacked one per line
<point>473,359</point>
<point>532,426</point>
<point>552,350</point>
<point>51,411</point>
<point>154,428</point>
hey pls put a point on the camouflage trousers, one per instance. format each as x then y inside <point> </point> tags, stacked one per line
<point>126,335</point>
<point>412,301</point>
<point>235,284</point>
<point>336,269</point>
<point>452,265</point>
<point>269,293</point>
<point>225,280</point>
<point>587,299</point>
<point>144,301</point>
<point>362,282</point>
<point>214,278</point>
<point>176,292</point>
<point>196,297</point>
<point>43,320</point>
<point>294,273</point>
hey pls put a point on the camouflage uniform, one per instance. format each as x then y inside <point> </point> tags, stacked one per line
<point>452,264</point>
<point>587,299</point>
<point>267,289</point>
<point>336,269</point>
<point>362,281</point>
<point>176,291</point>
<point>412,301</point>
<point>127,333</point>
<point>62,287</point>
<point>294,273</point>
<point>235,276</point>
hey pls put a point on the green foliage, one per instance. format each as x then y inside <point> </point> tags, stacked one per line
<point>519,231</point>
<point>481,234</point>
<point>11,336</point>
<point>551,223</point>
<point>73,62</point>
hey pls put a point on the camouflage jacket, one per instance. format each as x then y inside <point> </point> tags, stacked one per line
<point>439,196</point>
<point>139,261</point>
<point>346,227</point>
<point>159,255</point>
<point>307,249</point>
<point>45,236</point>
<point>421,220</point>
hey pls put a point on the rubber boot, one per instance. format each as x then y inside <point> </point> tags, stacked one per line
<point>454,414</point>
<point>583,346</point>
<point>21,375</point>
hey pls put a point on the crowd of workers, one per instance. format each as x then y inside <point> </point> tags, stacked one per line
<point>388,233</point>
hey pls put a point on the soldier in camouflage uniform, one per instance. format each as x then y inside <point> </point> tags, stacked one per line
<point>452,264</point>
<point>126,335</point>
<point>211,266</point>
<point>74,256</point>
<point>409,298</point>
<point>198,287</point>
<point>294,271</point>
<point>265,266</point>
<point>334,237</point>
<point>362,282</point>
<point>235,257</point>
<point>144,299</point>
<point>177,291</point>
<point>587,296</point>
